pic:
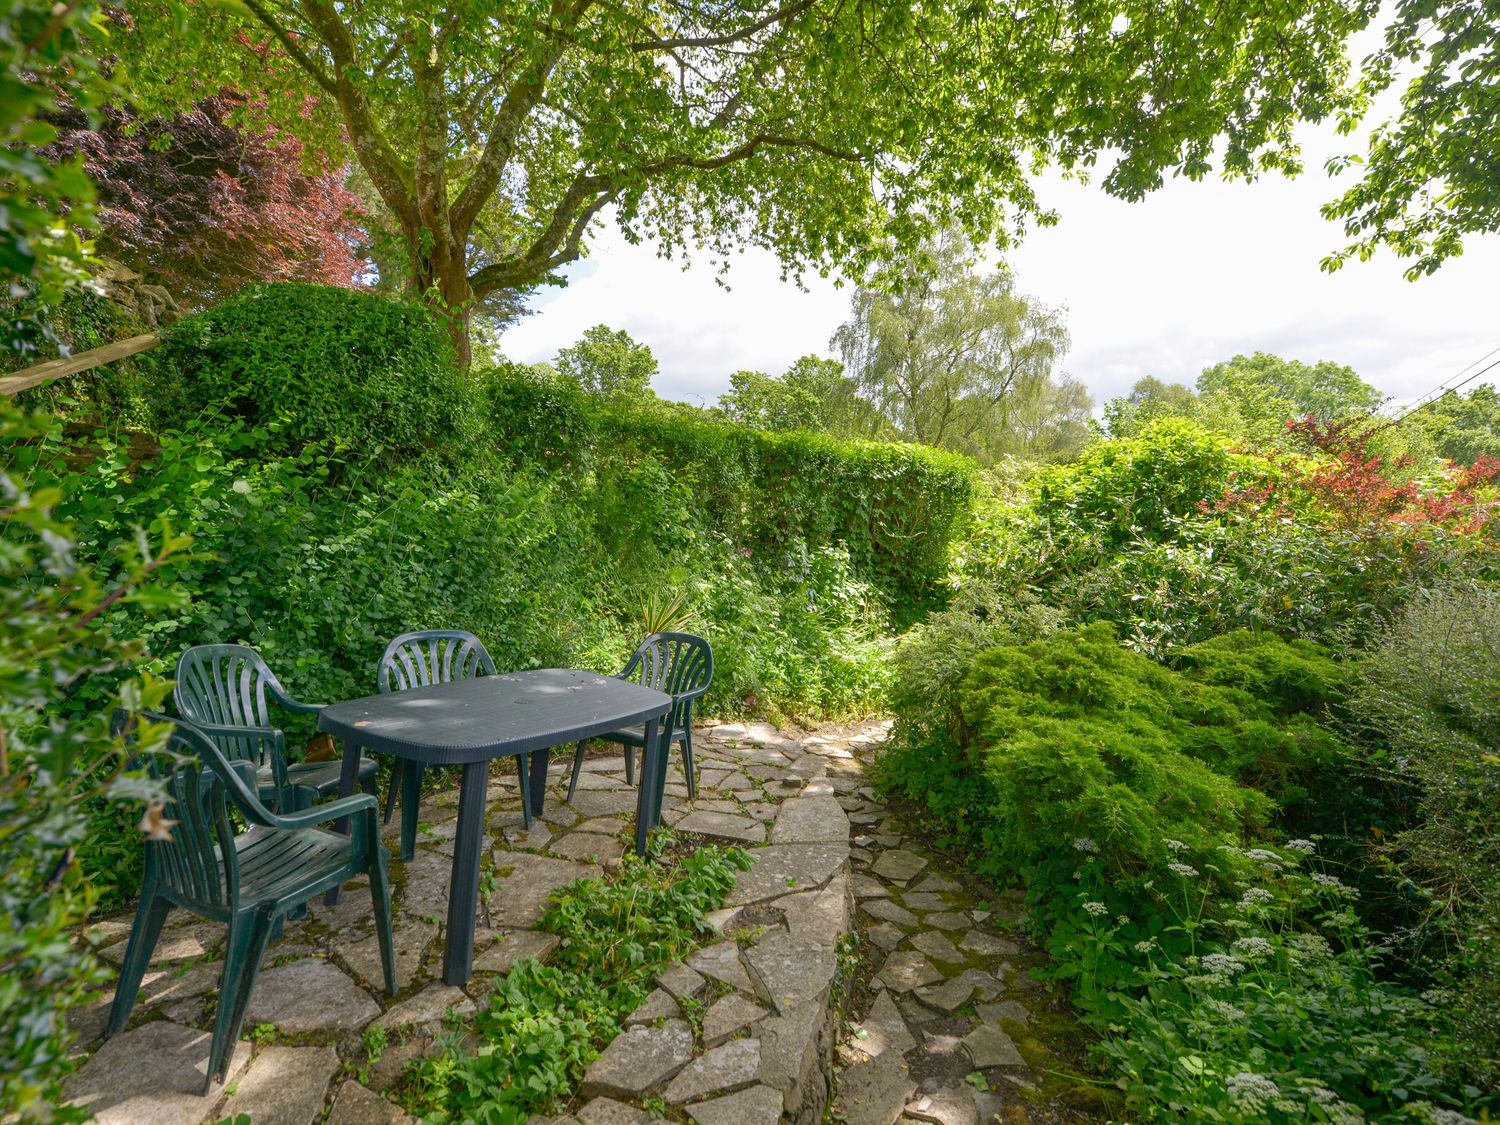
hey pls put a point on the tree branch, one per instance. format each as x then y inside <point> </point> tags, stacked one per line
<point>514,109</point>
<point>781,14</point>
<point>292,47</point>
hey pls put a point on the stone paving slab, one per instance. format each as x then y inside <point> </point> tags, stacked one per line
<point>151,1074</point>
<point>284,1085</point>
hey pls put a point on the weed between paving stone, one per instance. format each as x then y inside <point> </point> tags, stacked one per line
<point>527,1050</point>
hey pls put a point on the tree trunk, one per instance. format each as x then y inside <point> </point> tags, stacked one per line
<point>444,283</point>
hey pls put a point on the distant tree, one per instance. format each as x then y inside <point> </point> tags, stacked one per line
<point>1328,391</point>
<point>609,363</point>
<point>1049,424</point>
<point>197,205</point>
<point>1150,398</point>
<point>1464,428</point>
<point>948,353</point>
<point>813,394</point>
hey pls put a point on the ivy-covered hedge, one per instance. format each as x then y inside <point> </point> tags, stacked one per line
<point>895,508</point>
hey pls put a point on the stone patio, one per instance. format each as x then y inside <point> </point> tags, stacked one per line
<point>743,1033</point>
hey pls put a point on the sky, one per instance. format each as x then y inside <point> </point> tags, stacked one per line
<point>1193,275</point>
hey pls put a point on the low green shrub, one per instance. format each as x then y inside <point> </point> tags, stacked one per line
<point>1227,975</point>
<point>544,1024</point>
<point>1076,736</point>
<point>299,363</point>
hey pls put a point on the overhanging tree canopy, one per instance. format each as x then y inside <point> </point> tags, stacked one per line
<point>497,132</point>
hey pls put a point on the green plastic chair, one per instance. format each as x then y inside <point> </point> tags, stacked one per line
<point>226,692</point>
<point>680,664</point>
<point>432,656</point>
<point>250,881</point>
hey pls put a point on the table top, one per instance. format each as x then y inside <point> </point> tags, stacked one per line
<point>492,716</point>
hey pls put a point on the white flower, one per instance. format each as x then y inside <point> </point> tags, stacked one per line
<point>1224,1010</point>
<point>1311,947</point>
<point>1302,845</point>
<point>1122,919</point>
<point>1253,947</point>
<point>241,486</point>
<point>1334,883</point>
<point>1145,946</point>
<point>1440,1116</point>
<point>1262,855</point>
<point>1245,1087</point>
<point>1097,909</point>
<point>1223,963</point>
<point>1086,845</point>
<point>1183,869</point>
<point>1177,845</point>
<point>1255,898</point>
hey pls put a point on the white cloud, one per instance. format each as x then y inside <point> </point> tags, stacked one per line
<point>1191,276</point>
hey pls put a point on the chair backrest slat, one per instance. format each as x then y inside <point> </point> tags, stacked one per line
<point>226,685</point>
<point>432,656</point>
<point>680,664</point>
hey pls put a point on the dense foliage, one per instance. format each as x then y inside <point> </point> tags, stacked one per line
<point>544,1024</point>
<point>42,52</point>
<point>310,363</point>
<point>332,508</point>
<point>816,131</point>
<point>53,642</point>
<point>1256,845</point>
<point>1429,693</point>
<point>1226,973</point>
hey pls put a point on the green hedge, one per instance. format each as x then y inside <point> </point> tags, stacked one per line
<point>311,363</point>
<point>895,508</point>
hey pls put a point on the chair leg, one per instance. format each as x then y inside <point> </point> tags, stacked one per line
<point>629,763</point>
<point>390,798</point>
<point>687,762</point>
<point>523,771</point>
<point>577,769</point>
<point>150,914</point>
<point>249,933</point>
<point>380,893</point>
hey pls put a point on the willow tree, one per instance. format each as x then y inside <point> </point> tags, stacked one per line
<point>497,131</point>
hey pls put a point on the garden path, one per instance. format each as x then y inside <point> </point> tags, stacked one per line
<point>943,1001</point>
<point>945,1023</point>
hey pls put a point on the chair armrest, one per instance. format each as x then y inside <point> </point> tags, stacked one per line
<point>333,810</point>
<point>286,702</point>
<point>269,735</point>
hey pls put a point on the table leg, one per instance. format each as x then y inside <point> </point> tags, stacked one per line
<point>538,767</point>
<point>646,807</point>
<point>348,776</point>
<point>463,889</point>
<point>411,805</point>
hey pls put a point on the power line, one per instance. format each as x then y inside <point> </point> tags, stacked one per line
<point>1433,395</point>
<point>1448,384</point>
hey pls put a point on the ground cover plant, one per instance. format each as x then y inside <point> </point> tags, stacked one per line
<point>545,1023</point>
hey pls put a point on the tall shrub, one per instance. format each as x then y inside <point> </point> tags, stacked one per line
<point>303,363</point>
<point>53,640</point>
<point>1429,692</point>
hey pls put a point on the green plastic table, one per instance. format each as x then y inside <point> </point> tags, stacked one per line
<point>468,723</point>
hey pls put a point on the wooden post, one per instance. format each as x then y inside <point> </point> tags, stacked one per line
<point>37,374</point>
